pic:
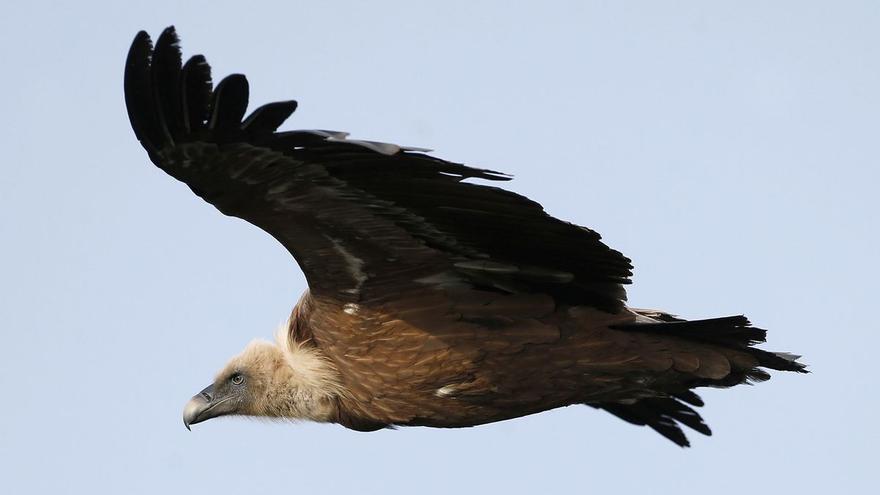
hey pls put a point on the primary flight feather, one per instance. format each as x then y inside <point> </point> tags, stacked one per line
<point>432,301</point>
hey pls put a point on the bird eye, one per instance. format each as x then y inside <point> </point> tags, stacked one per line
<point>237,379</point>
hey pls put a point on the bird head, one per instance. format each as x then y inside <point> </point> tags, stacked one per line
<point>240,387</point>
<point>283,380</point>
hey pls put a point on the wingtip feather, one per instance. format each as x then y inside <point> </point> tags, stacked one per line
<point>230,103</point>
<point>166,67</point>
<point>267,118</point>
<point>138,92</point>
<point>196,90</point>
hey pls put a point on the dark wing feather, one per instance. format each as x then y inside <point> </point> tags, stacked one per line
<point>165,74</point>
<point>662,414</point>
<point>365,220</point>
<point>196,88</point>
<point>268,117</point>
<point>229,107</point>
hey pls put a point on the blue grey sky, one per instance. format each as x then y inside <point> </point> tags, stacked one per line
<point>729,148</point>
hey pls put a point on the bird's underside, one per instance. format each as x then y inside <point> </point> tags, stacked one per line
<point>433,301</point>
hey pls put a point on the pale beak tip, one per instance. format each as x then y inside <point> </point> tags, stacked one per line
<point>199,408</point>
<point>192,410</point>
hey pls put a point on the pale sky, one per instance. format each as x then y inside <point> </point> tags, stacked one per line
<point>729,148</point>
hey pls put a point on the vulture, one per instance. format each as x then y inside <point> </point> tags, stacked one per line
<point>434,299</point>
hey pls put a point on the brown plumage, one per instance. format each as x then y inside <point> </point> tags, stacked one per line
<point>432,301</point>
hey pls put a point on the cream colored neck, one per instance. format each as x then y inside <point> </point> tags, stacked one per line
<point>305,384</point>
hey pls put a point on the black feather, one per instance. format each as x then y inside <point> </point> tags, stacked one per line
<point>139,94</point>
<point>267,118</point>
<point>728,331</point>
<point>165,71</point>
<point>662,414</point>
<point>230,104</point>
<point>678,411</point>
<point>778,361</point>
<point>196,87</point>
<point>689,397</point>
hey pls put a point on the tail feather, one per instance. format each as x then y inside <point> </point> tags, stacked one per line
<point>782,361</point>
<point>733,337</point>
<point>724,331</point>
<point>729,332</point>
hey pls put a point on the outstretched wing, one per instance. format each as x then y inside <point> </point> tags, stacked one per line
<point>364,220</point>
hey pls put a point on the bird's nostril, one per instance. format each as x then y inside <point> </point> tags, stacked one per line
<point>206,395</point>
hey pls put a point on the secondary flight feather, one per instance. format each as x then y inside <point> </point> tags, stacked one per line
<point>432,301</point>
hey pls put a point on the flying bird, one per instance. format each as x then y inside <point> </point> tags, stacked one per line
<point>432,300</point>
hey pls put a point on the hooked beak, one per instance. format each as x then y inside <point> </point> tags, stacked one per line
<point>203,406</point>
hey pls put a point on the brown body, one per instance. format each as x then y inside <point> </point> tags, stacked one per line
<point>431,360</point>
<point>432,300</point>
